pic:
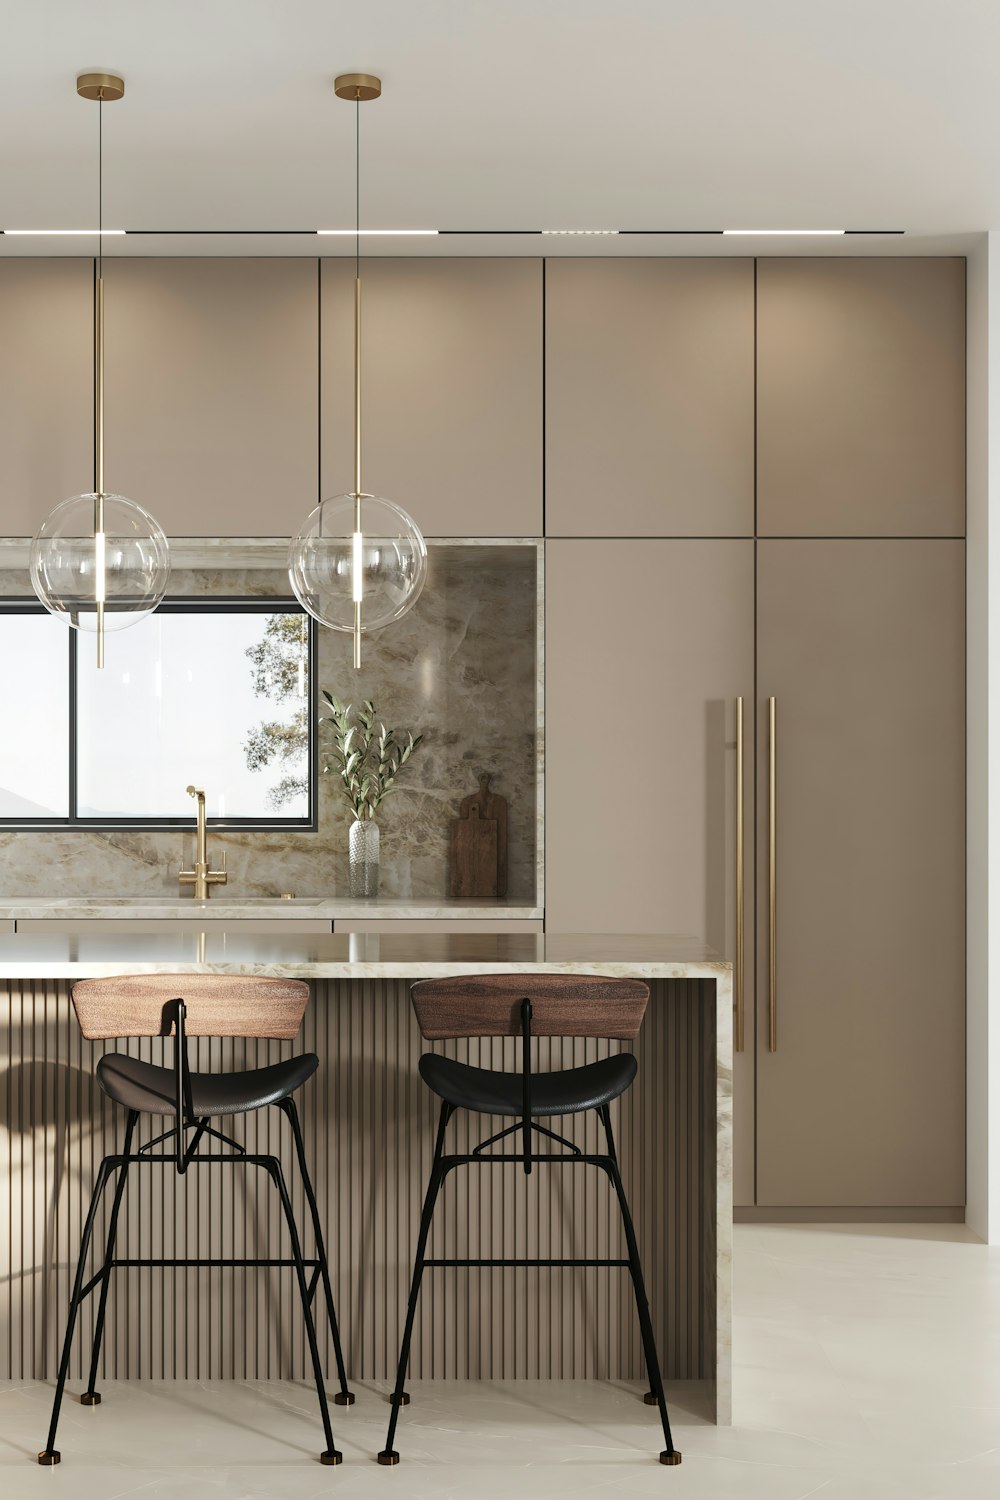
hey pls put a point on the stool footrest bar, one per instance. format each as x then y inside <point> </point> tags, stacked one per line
<point>213,1157</point>
<point>211,1261</point>
<point>465,1264</point>
<point>448,1163</point>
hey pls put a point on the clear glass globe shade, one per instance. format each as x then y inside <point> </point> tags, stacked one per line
<point>66,563</point>
<point>393,557</point>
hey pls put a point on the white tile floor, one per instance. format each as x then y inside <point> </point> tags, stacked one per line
<point>867,1368</point>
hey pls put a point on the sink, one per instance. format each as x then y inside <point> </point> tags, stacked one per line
<point>71,902</point>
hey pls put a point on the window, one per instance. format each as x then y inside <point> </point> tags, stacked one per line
<point>215,694</point>
<point>34,669</point>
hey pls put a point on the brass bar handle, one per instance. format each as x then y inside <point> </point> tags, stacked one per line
<point>738,970</point>
<point>772,873</point>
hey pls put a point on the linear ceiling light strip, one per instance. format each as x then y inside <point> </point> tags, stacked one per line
<point>32,232</point>
<point>778,233</point>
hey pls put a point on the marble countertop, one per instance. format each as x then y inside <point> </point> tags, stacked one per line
<point>66,955</point>
<point>231,906</point>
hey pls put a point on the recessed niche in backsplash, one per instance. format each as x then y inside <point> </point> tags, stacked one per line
<point>462,668</point>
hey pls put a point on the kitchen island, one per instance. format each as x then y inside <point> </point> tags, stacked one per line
<point>369,1130</point>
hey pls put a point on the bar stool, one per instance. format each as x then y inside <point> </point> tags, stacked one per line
<point>185,1005</point>
<point>528,1005</point>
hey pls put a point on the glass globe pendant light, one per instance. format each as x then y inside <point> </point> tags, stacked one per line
<point>359,561</point>
<point>99,561</point>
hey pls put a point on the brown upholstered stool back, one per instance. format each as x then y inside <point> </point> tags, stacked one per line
<point>561,1005</point>
<point>216,1005</point>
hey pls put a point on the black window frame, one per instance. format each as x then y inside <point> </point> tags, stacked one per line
<point>178,604</point>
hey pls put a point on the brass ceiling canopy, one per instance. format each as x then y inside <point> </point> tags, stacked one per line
<point>357,87</point>
<point>104,87</point>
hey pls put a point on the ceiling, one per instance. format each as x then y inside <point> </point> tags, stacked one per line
<point>668,114</point>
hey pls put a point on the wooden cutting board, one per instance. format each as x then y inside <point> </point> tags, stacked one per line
<point>479,845</point>
<point>473,856</point>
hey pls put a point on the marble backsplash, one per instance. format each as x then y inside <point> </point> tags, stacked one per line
<point>461,668</point>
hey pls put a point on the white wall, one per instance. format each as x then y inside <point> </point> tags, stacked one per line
<point>983,675</point>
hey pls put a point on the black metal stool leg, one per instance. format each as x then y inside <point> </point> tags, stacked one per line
<point>91,1397</point>
<point>670,1455</point>
<point>399,1397</point>
<point>330,1455</point>
<point>344,1396</point>
<point>649,1396</point>
<point>50,1454</point>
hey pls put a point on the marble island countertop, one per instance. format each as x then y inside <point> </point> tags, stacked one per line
<point>67,955</point>
<point>230,907</point>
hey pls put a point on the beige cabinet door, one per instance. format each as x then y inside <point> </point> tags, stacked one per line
<point>212,371</point>
<point>46,388</point>
<point>649,397</point>
<point>861,644</point>
<point>861,397</point>
<point>452,390</point>
<point>648,646</point>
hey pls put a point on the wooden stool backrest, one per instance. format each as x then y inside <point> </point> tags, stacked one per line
<point>561,1005</point>
<point>216,1005</point>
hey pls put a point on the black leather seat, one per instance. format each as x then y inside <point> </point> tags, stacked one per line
<point>144,1086</point>
<point>564,1093</point>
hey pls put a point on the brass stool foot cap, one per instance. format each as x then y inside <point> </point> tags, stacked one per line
<point>390,1456</point>
<point>671,1459</point>
<point>48,1457</point>
<point>344,1398</point>
<point>650,1398</point>
<point>90,1398</point>
<point>331,1457</point>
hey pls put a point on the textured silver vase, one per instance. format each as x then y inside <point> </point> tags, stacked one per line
<point>363,850</point>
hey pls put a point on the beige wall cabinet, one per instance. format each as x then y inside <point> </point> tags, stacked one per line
<point>861,397</point>
<point>452,390</point>
<point>648,646</point>
<point>861,644</point>
<point>46,388</point>
<point>649,413</point>
<point>212,392</point>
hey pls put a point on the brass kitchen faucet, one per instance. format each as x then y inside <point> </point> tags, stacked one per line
<point>201,877</point>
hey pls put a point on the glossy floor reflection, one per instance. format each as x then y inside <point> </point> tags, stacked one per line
<point>867,1368</point>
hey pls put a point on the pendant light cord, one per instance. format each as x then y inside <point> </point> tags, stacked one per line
<point>99,326</point>
<point>100,188</point>
<point>100,578</point>
<point>357,313</point>
<point>357,553</point>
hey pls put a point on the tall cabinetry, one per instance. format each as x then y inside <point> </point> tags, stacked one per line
<point>649,504</point>
<point>834,610</point>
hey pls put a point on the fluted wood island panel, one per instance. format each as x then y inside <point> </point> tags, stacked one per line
<point>369,1125</point>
